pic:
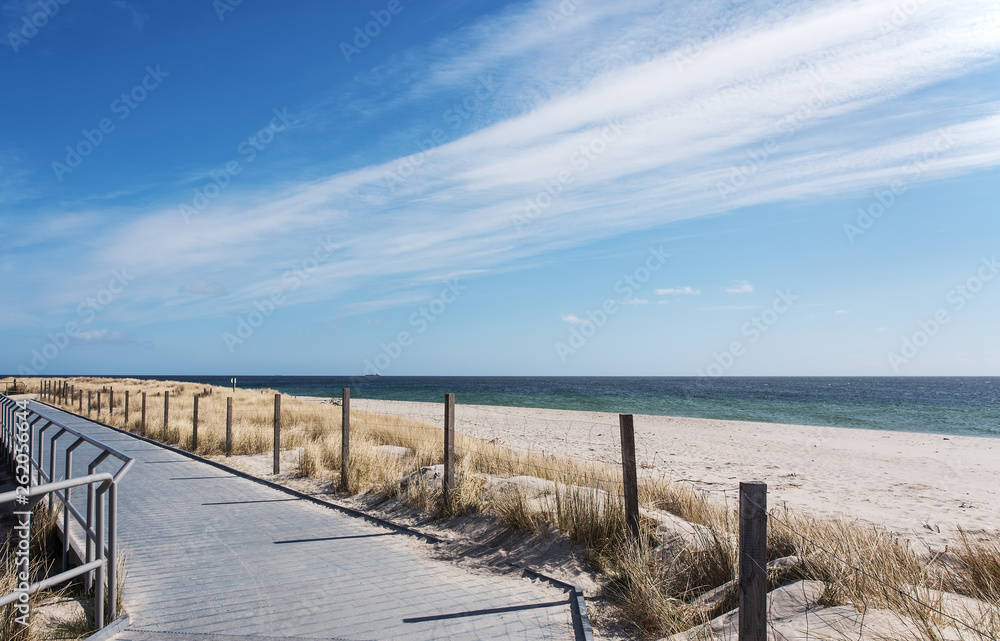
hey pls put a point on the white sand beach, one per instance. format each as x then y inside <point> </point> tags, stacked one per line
<point>922,486</point>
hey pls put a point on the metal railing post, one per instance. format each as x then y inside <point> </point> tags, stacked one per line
<point>66,503</point>
<point>113,551</point>
<point>52,465</point>
<point>99,587</point>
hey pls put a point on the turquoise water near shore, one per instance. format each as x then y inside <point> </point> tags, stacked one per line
<point>968,406</point>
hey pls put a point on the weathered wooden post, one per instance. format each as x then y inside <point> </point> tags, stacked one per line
<point>277,433</point>
<point>166,413</point>
<point>80,410</point>
<point>111,401</point>
<point>194,427</point>
<point>753,562</point>
<point>345,438</point>
<point>142,420</point>
<point>630,479</point>
<point>448,483</point>
<point>89,399</point>
<point>126,409</point>
<point>229,425</point>
<point>98,404</point>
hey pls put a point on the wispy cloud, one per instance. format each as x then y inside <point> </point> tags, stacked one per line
<point>573,318</point>
<point>683,291</point>
<point>681,139</point>
<point>108,337</point>
<point>742,288</point>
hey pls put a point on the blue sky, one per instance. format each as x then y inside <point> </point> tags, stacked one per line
<point>540,188</point>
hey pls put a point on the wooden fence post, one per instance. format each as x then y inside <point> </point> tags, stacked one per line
<point>126,409</point>
<point>229,425</point>
<point>80,411</point>
<point>194,427</point>
<point>277,433</point>
<point>142,423</point>
<point>345,438</point>
<point>89,400</point>
<point>630,479</point>
<point>98,404</point>
<point>111,401</point>
<point>753,562</point>
<point>166,413</point>
<point>448,483</point>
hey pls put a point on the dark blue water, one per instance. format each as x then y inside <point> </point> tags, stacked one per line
<point>945,405</point>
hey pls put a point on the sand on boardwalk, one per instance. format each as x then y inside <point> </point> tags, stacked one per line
<point>922,486</point>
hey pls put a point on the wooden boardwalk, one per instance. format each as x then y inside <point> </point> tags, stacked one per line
<point>215,556</point>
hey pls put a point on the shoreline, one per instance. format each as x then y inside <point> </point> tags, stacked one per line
<point>921,486</point>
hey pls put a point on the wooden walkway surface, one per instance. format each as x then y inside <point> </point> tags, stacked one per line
<point>215,556</point>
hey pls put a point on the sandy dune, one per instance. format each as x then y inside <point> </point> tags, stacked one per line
<point>921,485</point>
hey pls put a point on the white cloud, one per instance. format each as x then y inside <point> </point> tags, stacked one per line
<point>636,301</point>
<point>687,290</point>
<point>108,337</point>
<point>573,318</point>
<point>743,288</point>
<point>844,107</point>
<point>842,311</point>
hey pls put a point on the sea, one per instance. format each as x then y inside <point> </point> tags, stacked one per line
<point>962,406</point>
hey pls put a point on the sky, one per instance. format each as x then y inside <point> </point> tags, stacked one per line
<point>469,187</point>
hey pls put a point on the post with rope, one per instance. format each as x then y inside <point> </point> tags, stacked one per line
<point>345,438</point>
<point>753,562</point>
<point>229,425</point>
<point>448,482</point>
<point>194,426</point>
<point>630,478</point>
<point>277,433</point>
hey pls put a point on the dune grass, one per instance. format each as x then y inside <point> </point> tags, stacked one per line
<point>43,541</point>
<point>863,566</point>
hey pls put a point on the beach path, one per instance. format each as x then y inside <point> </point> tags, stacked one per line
<point>213,553</point>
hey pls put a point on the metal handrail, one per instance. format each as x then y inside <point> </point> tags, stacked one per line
<point>93,522</point>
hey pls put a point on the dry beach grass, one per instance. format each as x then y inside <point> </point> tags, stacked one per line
<point>676,578</point>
